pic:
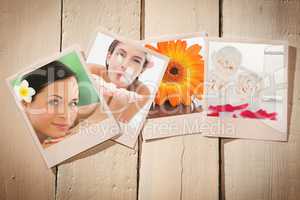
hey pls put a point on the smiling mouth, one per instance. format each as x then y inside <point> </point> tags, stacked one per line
<point>61,127</point>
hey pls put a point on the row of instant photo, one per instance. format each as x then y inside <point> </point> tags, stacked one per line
<point>163,87</point>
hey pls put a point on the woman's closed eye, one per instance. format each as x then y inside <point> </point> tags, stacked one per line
<point>138,61</point>
<point>121,53</point>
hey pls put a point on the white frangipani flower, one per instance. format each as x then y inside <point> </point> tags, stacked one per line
<point>24,92</point>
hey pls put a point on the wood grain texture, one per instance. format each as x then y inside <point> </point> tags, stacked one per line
<point>258,169</point>
<point>108,171</point>
<point>179,167</point>
<point>29,31</point>
<point>174,168</point>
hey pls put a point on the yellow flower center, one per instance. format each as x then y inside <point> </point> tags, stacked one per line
<point>24,91</point>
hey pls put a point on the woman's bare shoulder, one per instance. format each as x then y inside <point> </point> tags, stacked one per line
<point>96,69</point>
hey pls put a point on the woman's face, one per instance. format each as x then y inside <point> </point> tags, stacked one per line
<point>125,64</point>
<point>54,109</point>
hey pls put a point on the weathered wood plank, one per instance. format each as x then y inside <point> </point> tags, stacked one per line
<point>108,171</point>
<point>29,30</point>
<point>257,169</point>
<point>183,167</point>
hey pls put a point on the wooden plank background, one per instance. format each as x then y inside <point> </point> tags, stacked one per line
<point>180,167</point>
<point>257,169</point>
<point>189,167</point>
<point>107,171</point>
<point>29,30</point>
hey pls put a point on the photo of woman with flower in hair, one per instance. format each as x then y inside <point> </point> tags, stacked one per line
<point>57,98</point>
<point>51,104</point>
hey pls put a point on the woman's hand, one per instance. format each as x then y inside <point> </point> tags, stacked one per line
<point>132,109</point>
<point>52,141</point>
<point>96,69</point>
<point>127,115</point>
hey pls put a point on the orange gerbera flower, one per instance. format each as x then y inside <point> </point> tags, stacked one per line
<point>184,75</point>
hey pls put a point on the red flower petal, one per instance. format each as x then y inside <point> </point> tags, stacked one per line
<point>213,114</point>
<point>259,114</point>
<point>227,107</point>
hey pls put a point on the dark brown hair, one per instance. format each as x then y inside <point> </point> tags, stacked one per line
<point>112,48</point>
<point>49,73</point>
